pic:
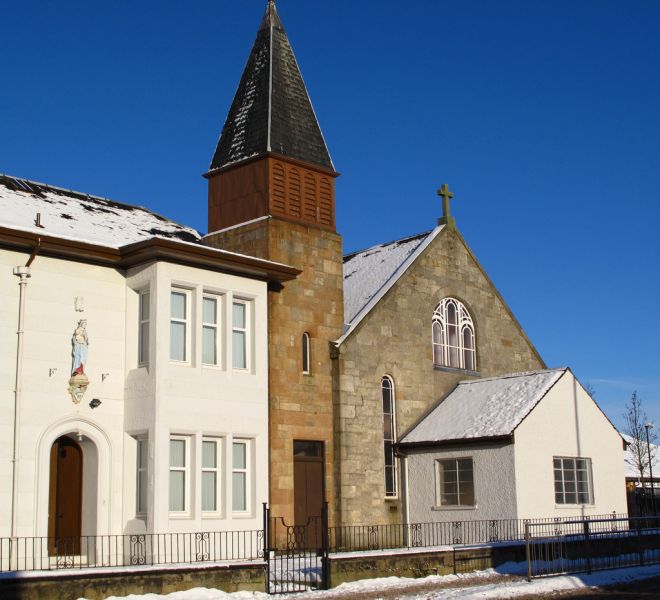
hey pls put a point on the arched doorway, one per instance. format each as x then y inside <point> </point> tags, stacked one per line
<point>65,498</point>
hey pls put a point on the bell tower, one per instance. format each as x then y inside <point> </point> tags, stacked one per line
<point>271,194</point>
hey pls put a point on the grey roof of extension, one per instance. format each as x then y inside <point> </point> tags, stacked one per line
<point>484,408</point>
<point>271,111</point>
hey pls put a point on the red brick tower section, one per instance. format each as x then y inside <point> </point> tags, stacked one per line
<point>272,195</point>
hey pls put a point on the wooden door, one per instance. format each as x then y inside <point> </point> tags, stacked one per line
<point>309,489</point>
<point>65,502</point>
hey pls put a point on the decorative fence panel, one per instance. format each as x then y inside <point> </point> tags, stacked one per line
<point>586,545</point>
<point>44,554</point>
<point>424,535</point>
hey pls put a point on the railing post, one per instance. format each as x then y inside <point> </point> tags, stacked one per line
<point>325,542</point>
<point>528,552</point>
<point>587,543</point>
<point>640,545</point>
<point>266,545</point>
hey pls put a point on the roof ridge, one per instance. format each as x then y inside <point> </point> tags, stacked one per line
<point>513,375</point>
<point>382,245</point>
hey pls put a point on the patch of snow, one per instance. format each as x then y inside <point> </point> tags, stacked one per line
<point>630,464</point>
<point>480,587</point>
<point>485,407</point>
<point>369,274</point>
<point>75,216</point>
<point>243,224</point>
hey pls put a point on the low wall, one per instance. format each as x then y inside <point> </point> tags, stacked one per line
<point>101,583</point>
<point>346,567</point>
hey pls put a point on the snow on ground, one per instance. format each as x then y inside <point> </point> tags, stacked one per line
<point>466,586</point>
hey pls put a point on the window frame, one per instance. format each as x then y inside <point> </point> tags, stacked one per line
<point>141,476</point>
<point>216,327</point>
<point>186,477</point>
<point>562,469</point>
<point>389,452</point>
<point>242,470</point>
<point>245,330</point>
<point>217,470</point>
<point>306,347</point>
<point>450,351</point>
<point>186,323</point>
<point>439,493</point>
<point>144,299</point>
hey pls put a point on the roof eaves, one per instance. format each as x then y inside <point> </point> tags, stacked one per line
<point>455,442</point>
<point>157,248</point>
<point>400,270</point>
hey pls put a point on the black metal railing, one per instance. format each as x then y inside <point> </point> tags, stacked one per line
<point>586,545</point>
<point>352,538</point>
<point>44,553</point>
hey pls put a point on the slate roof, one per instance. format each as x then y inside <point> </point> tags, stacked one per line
<point>271,111</point>
<point>81,217</point>
<point>484,408</point>
<point>370,273</point>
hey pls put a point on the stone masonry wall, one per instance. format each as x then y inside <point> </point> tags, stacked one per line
<point>301,406</point>
<point>395,339</point>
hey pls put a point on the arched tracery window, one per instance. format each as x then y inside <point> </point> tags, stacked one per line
<point>454,342</point>
<point>389,435</point>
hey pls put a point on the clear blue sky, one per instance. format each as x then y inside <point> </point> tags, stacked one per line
<point>543,117</point>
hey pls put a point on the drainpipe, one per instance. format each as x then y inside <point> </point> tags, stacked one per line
<point>23,273</point>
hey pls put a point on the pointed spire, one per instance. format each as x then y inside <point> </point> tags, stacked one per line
<point>271,111</point>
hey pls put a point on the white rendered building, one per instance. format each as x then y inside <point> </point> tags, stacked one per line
<point>528,445</point>
<point>134,372</point>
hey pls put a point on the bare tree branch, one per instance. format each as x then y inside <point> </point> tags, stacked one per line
<point>634,420</point>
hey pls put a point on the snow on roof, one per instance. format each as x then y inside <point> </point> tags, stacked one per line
<point>370,273</point>
<point>629,463</point>
<point>82,217</point>
<point>484,408</point>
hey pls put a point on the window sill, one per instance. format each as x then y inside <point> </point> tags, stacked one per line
<point>212,367</point>
<point>456,370</point>
<point>573,506</point>
<point>391,498</point>
<point>180,516</point>
<point>442,508</point>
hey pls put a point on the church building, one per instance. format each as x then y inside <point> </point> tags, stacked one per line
<point>361,347</point>
<point>155,379</point>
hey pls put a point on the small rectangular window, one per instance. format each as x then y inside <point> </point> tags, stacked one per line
<point>240,340</point>
<point>143,332</point>
<point>573,480</point>
<point>179,326</point>
<point>179,480</point>
<point>239,476</point>
<point>141,479</point>
<point>306,353</point>
<point>210,475</point>
<point>455,482</point>
<point>210,330</point>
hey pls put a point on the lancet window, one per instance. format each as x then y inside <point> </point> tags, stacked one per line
<point>454,342</point>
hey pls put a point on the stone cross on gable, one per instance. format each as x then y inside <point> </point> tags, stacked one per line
<point>446,195</point>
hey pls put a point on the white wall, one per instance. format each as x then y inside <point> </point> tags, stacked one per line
<point>47,410</point>
<point>194,400</point>
<point>493,481</point>
<point>567,423</point>
<point>159,400</point>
